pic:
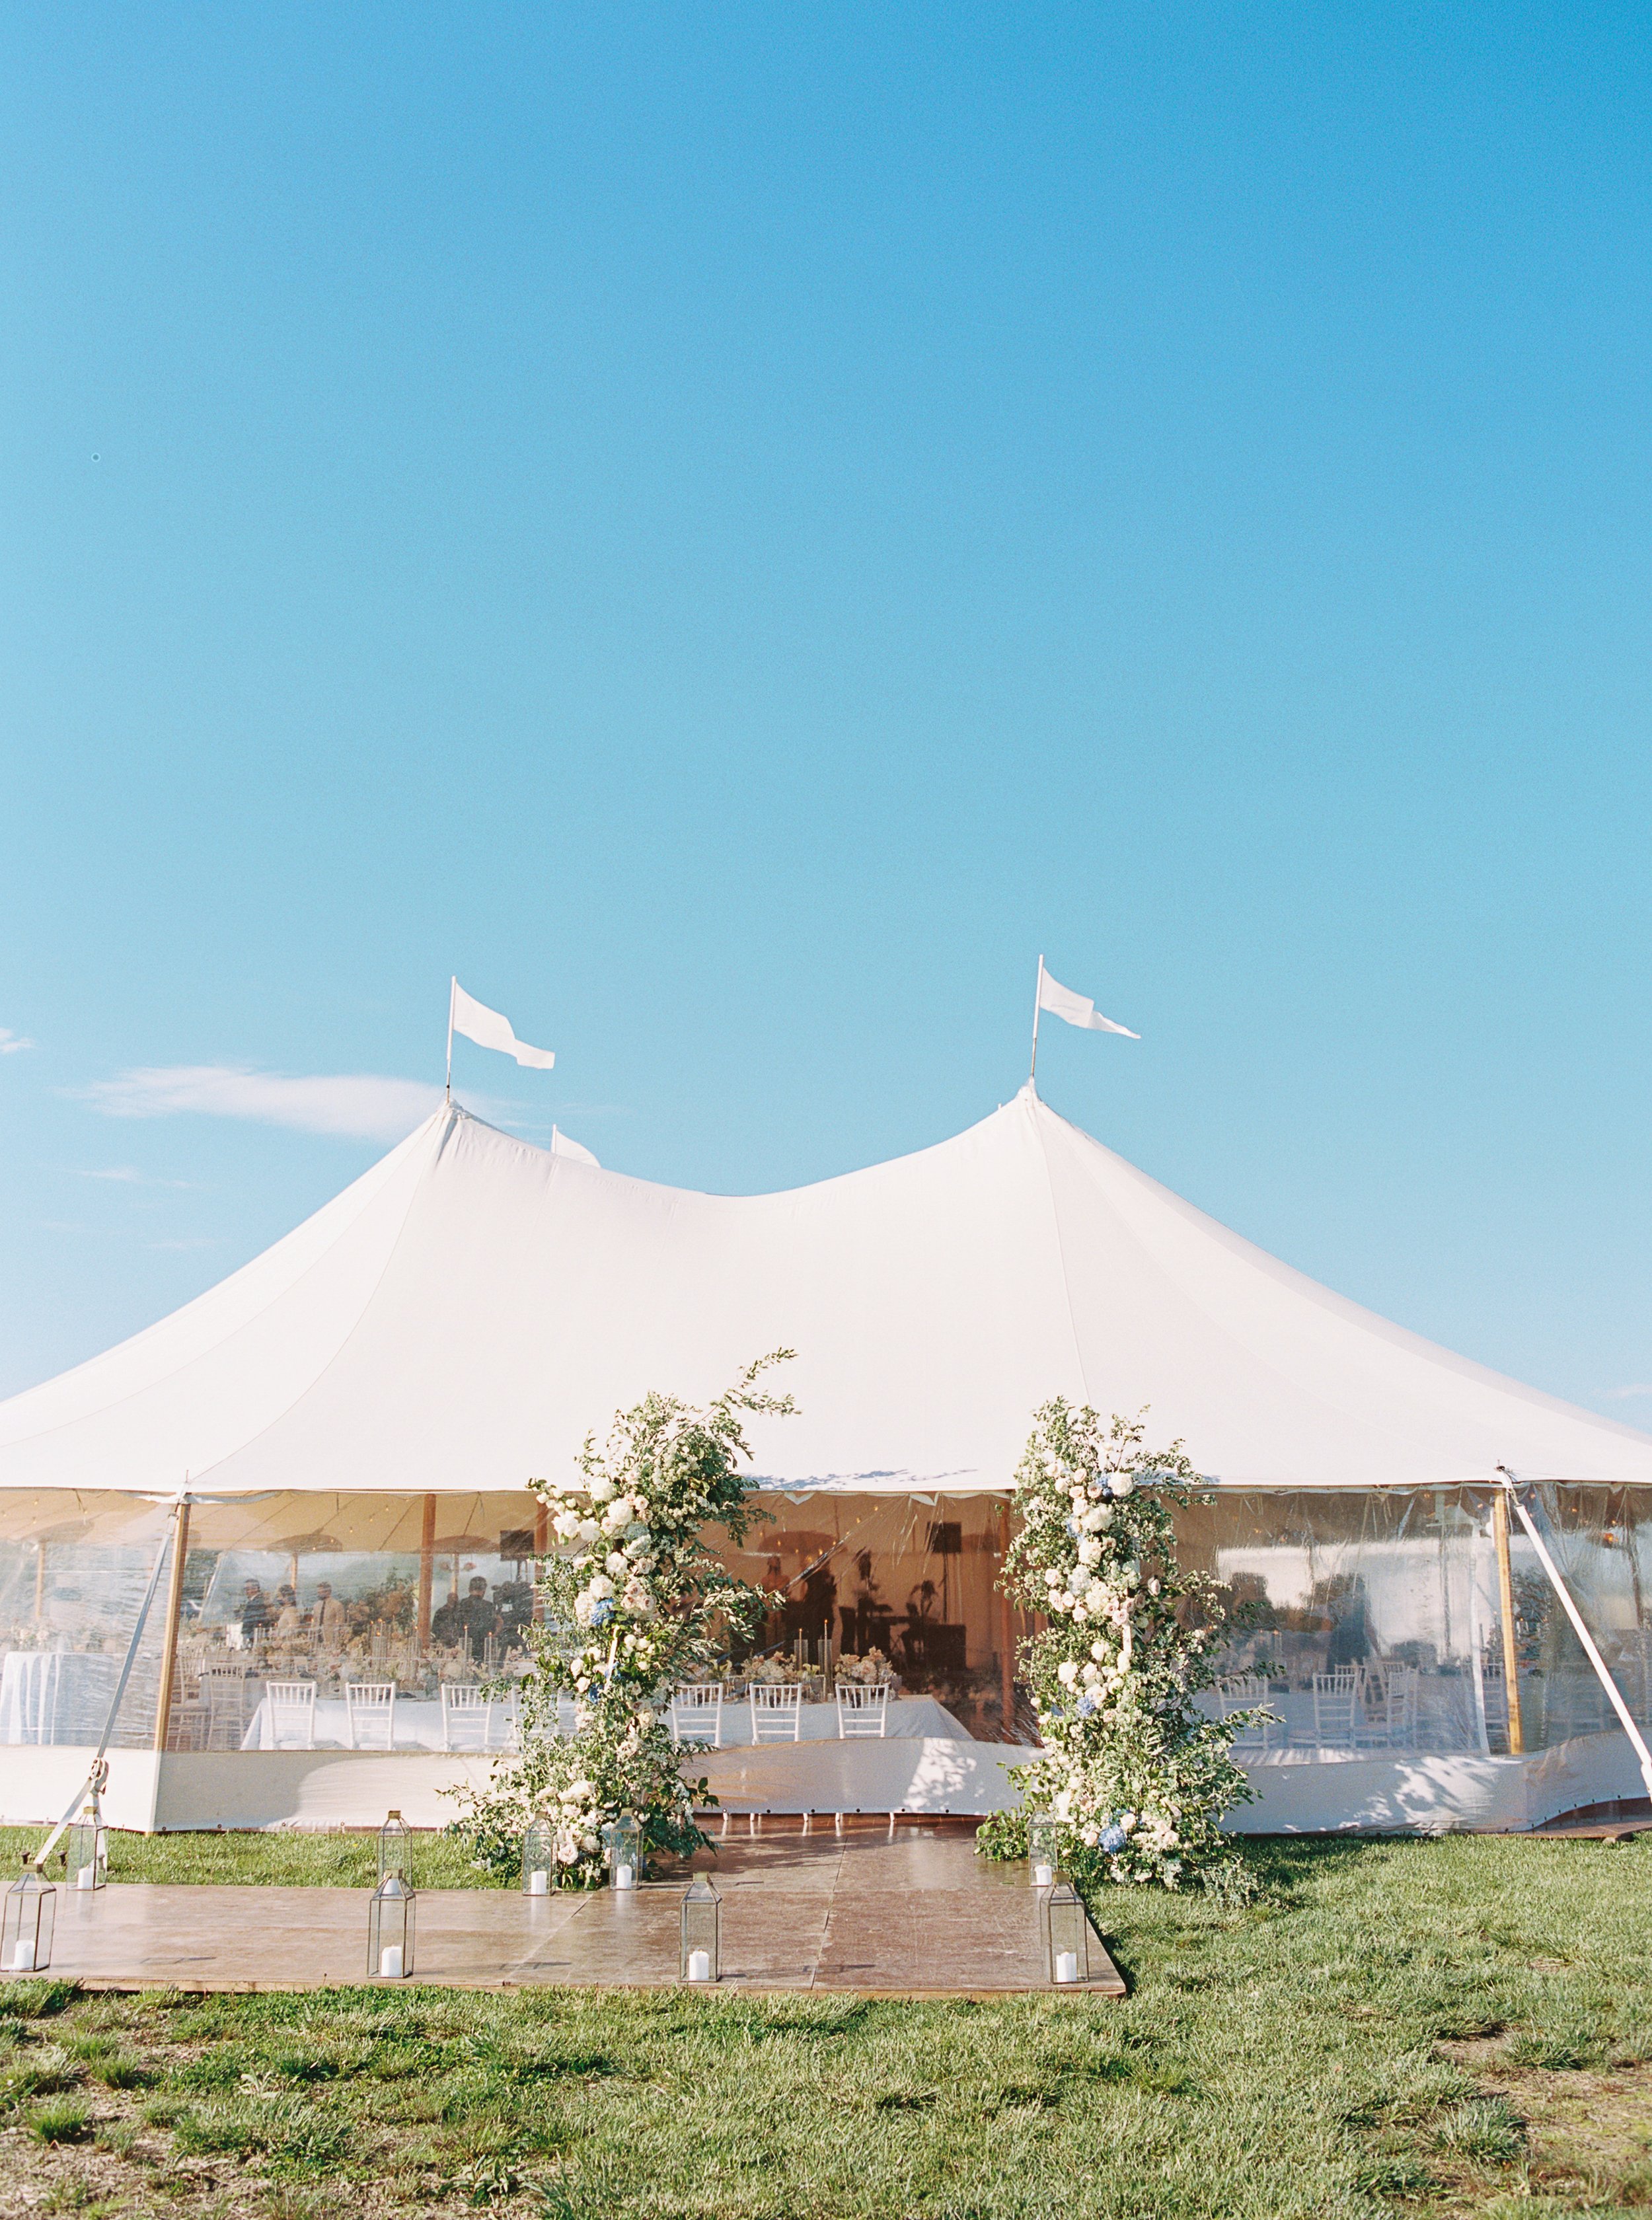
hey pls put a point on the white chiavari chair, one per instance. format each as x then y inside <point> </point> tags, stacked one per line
<point>697,1716</point>
<point>863,1711</point>
<point>370,1714</point>
<point>292,1714</point>
<point>1335,1708</point>
<point>776,1710</point>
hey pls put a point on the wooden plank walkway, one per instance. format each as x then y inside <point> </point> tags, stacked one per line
<point>915,1914</point>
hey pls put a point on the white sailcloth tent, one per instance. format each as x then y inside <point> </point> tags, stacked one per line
<point>460,1318</point>
<point>365,1405</point>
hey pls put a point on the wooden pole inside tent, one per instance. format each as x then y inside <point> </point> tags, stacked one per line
<point>169,1625</point>
<point>427,1570</point>
<point>541,1549</point>
<point>40,1583</point>
<point>1005,1630</point>
<point>1505,1599</point>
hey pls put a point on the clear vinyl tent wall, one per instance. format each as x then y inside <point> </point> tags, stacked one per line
<point>1370,1622</point>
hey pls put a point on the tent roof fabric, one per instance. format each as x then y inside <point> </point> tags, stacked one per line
<point>464,1315</point>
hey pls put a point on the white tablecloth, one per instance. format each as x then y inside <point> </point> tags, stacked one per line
<point>55,1695</point>
<point>418,1724</point>
<point>911,1718</point>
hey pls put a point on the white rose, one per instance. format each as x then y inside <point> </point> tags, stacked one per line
<point>1089,1551</point>
<point>1067,1673</point>
<point>1123,1484</point>
<point>617,1517</point>
<point>1052,1578</point>
<point>1098,1651</point>
<point>601,1585</point>
<point>618,1564</point>
<point>1091,1675</point>
<point>589,1530</point>
<point>1080,1613</point>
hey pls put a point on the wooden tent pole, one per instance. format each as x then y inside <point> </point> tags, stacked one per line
<point>541,1550</point>
<point>1506,1597</point>
<point>427,1570</point>
<point>1005,1630</point>
<point>174,1612</point>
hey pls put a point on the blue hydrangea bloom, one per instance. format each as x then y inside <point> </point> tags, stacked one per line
<point>1113,1838</point>
<point>601,1610</point>
<point>1086,1704</point>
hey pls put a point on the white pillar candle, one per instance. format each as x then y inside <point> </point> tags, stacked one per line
<point>699,1965</point>
<point>538,1882</point>
<point>23,1958</point>
<point>1066,1966</point>
<point>389,1962</point>
<point>624,1877</point>
<point>87,1877</point>
<point>1043,1876</point>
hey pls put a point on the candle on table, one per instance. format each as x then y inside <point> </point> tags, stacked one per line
<point>538,1882</point>
<point>1067,1966</point>
<point>87,1877</point>
<point>1043,1876</point>
<point>23,1958</point>
<point>699,1965</point>
<point>389,1962</point>
<point>625,1877</point>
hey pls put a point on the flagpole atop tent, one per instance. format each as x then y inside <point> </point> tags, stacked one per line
<point>1037,1004</point>
<point>452,989</point>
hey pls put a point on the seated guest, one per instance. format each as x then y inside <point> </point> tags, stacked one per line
<point>289,1619</point>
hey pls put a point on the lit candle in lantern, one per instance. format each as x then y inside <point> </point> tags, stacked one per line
<point>699,1965</point>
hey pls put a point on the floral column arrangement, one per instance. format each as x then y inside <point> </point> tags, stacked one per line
<point>1134,1773</point>
<point>634,1604</point>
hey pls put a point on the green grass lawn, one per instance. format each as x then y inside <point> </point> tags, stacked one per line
<point>1426,2027</point>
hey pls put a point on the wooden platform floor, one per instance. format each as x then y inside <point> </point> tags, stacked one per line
<point>914,1914</point>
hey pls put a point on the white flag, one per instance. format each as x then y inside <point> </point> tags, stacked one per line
<point>488,1030</point>
<point>1061,1002</point>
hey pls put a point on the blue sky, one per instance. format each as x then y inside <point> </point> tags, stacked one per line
<point>733,529</point>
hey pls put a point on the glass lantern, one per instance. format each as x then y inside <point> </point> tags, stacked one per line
<point>390,1930</point>
<point>539,1859</point>
<point>88,1866</point>
<point>702,1929</point>
<point>622,1839</point>
<point>1044,1848</point>
<point>1067,1936</point>
<point>26,1923</point>
<point>395,1850</point>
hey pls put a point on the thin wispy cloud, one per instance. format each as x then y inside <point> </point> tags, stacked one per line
<point>200,1241</point>
<point>360,1106</point>
<point>11,1043</point>
<point>1623,1394</point>
<point>129,1175</point>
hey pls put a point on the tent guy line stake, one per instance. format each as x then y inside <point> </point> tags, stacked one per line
<point>1626,1718</point>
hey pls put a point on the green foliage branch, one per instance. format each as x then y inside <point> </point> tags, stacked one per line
<point>1135,1774</point>
<point>633,1603</point>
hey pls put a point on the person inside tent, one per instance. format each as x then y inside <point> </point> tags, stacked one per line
<point>289,1619</point>
<point>329,1619</point>
<point>476,1618</point>
<point>256,1613</point>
